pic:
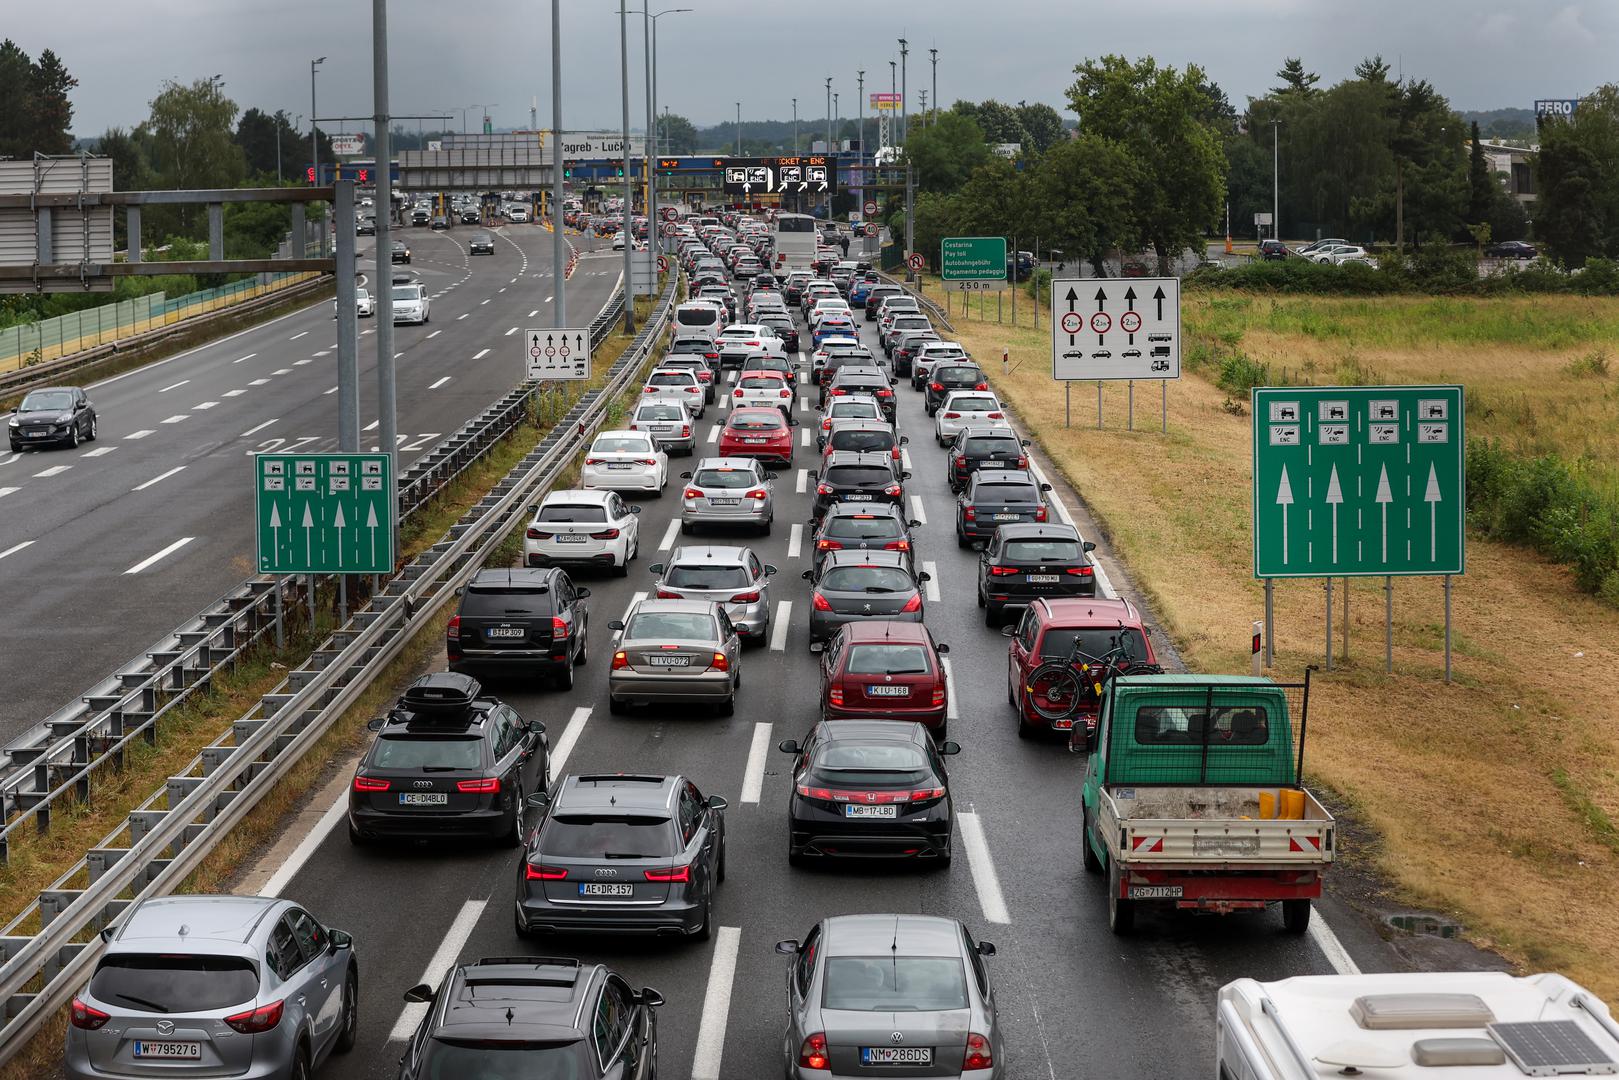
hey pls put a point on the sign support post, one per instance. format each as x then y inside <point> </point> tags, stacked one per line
<point>1388,625</point>
<point>280,629</point>
<point>1130,399</point>
<point>1270,622</point>
<point>1098,404</point>
<point>1163,389</point>
<point>1346,620</point>
<point>1329,622</point>
<point>1447,629</point>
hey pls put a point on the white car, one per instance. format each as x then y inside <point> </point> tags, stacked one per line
<point>517,215</point>
<point>849,407</point>
<point>830,346</point>
<point>963,407</point>
<point>825,306</point>
<point>411,304</point>
<point>363,305</point>
<point>583,528</point>
<point>763,388</point>
<point>625,461</point>
<point>1338,254</point>
<point>618,240</point>
<point>739,341</point>
<point>678,384</point>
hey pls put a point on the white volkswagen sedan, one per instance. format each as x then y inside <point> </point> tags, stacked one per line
<point>625,461</point>
<point>583,528</point>
<point>963,407</point>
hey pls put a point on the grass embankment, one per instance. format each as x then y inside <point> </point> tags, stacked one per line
<point>1495,797</point>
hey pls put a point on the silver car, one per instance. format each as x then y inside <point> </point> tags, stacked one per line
<point>675,652</point>
<point>242,986</point>
<point>908,994</point>
<point>728,491</point>
<point>669,423</point>
<point>732,577</point>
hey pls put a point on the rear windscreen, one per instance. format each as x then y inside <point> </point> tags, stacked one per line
<point>174,983</point>
<point>671,626</point>
<point>563,512</point>
<point>661,412</point>
<point>1059,642</point>
<point>973,404</point>
<point>757,421</point>
<point>722,478</point>
<point>704,316</point>
<point>621,444</point>
<point>856,410</point>
<point>1006,493</point>
<point>706,577</point>
<point>858,476</point>
<point>427,752</point>
<point>760,382</point>
<point>445,1059</point>
<point>862,440</point>
<point>893,659</point>
<point>983,447</point>
<point>866,579</point>
<point>903,984</point>
<point>670,378</point>
<point>957,374</point>
<point>876,527</point>
<point>598,836</point>
<point>495,601</point>
<point>1043,550</point>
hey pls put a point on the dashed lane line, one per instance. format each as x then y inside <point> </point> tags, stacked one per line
<point>152,560</point>
<point>570,738</point>
<point>932,584</point>
<point>444,957</point>
<point>917,510</point>
<point>753,776</point>
<point>795,540</point>
<point>252,430</point>
<point>480,354</point>
<point>13,549</point>
<point>100,451</point>
<point>249,356</point>
<point>669,536</point>
<point>780,623</point>
<point>991,901</point>
<point>54,470</point>
<point>159,478</point>
<point>439,383</point>
<point>174,386</point>
<point>716,1005</point>
<point>176,419</point>
<point>140,434</point>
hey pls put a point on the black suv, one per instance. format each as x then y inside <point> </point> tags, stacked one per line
<point>1025,563</point>
<point>448,761</point>
<point>856,527</point>
<point>529,621</point>
<point>862,479</point>
<point>983,447</point>
<point>861,379</point>
<point>996,498</point>
<point>625,853</point>
<point>536,1016</point>
<point>948,377</point>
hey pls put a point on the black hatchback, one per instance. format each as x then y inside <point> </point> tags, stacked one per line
<point>982,447</point>
<point>1024,563</point>
<point>856,527</point>
<point>855,586</point>
<point>56,415</point>
<point>997,498</point>
<point>447,761</point>
<point>850,476</point>
<point>869,788</point>
<point>948,377</point>
<point>860,379</point>
<point>525,621</point>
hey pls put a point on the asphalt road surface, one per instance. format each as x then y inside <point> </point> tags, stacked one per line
<point>106,548</point>
<point>1074,999</point>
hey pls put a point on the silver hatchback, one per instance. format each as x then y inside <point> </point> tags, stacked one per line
<point>906,995</point>
<point>734,491</point>
<point>250,987</point>
<point>732,577</point>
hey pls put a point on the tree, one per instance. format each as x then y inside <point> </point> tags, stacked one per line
<point>996,201</point>
<point>1577,180</point>
<point>191,141</point>
<point>676,135</point>
<point>51,116</point>
<point>1295,80</point>
<point>16,77</point>
<point>1481,186</point>
<point>256,135</point>
<point>1082,188</point>
<point>1000,123</point>
<point>945,153</point>
<point>1154,117</point>
<point>1043,125</point>
<point>1373,69</point>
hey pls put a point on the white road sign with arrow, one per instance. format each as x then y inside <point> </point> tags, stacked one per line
<point>1116,328</point>
<point>557,355</point>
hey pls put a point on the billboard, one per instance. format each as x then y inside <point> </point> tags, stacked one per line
<point>1563,107</point>
<point>348,145</point>
<point>886,102</point>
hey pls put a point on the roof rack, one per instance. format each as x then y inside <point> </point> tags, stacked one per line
<point>636,778</point>
<point>441,697</point>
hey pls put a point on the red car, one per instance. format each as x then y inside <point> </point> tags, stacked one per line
<point>1049,630</point>
<point>758,433</point>
<point>885,671</point>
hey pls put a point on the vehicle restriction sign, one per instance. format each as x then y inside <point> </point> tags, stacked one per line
<point>1101,322</point>
<point>558,354</point>
<point>1072,322</point>
<point>871,209</point>
<point>1130,322</point>
<point>663,265</point>
<point>916,261</point>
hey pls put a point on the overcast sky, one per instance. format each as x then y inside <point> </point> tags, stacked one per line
<point>1480,53</point>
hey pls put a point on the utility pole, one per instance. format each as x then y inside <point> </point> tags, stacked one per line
<point>387,406</point>
<point>314,128</point>
<point>1275,180</point>
<point>559,263</point>
<point>860,153</point>
<point>933,55</point>
<point>629,188</point>
<point>829,114</point>
<point>904,103</point>
<point>837,125</point>
<point>651,116</point>
<point>904,130</point>
<point>795,127</point>
<point>739,129</point>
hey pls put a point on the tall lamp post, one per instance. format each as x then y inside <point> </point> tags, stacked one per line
<point>629,182</point>
<point>795,127</point>
<point>933,55</point>
<point>651,20</point>
<point>829,114</point>
<point>739,129</point>
<point>559,266</point>
<point>904,128</point>
<point>314,129</point>
<point>1275,177</point>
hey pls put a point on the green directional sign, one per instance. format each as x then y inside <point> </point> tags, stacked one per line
<point>1358,481</point>
<point>972,258</point>
<point>324,513</point>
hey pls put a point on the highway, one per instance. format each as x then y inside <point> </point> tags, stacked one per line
<point>106,548</point>
<point>1074,999</point>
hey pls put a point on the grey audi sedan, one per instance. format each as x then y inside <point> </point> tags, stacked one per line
<point>675,652</point>
<point>901,994</point>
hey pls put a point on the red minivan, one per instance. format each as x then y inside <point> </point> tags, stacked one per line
<point>1049,630</point>
<point>885,671</point>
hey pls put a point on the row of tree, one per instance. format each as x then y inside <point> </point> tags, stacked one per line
<point>35,112</point>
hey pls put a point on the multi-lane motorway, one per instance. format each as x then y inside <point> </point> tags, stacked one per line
<point>106,548</point>
<point>1074,999</point>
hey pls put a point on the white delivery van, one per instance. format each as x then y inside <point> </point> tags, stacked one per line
<point>699,318</point>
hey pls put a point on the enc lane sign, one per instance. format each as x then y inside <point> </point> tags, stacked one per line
<point>1111,329</point>
<point>1363,481</point>
<point>323,513</point>
<point>557,355</point>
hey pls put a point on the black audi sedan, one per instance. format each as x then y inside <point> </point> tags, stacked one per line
<point>53,416</point>
<point>869,788</point>
<point>1024,563</point>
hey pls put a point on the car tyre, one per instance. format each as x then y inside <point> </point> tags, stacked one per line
<point>514,836</point>
<point>728,706</point>
<point>993,616</point>
<point>350,1032</point>
<point>687,528</point>
<point>16,447</point>
<point>1092,864</point>
<point>91,435</point>
<point>564,677</point>
<point>705,929</point>
<point>1296,916</point>
<point>617,707</point>
<point>300,1066</point>
<point>622,569</point>
<point>73,436</point>
<point>1121,913</point>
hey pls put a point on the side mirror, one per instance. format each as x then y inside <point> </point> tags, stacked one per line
<point>942,649</point>
<point>950,747</point>
<point>583,594</point>
<point>635,509</point>
<point>655,568</point>
<point>718,802</point>
<point>616,624</point>
<point>108,933</point>
<point>770,571</point>
<point>788,746</point>
<point>535,509</point>
<point>1026,442</point>
<point>986,949</point>
<point>339,939</point>
<point>1045,487</point>
<point>540,801</point>
<point>924,576</point>
<point>817,646</point>
<point>376,724</point>
<point>1008,630</point>
<point>913,524</point>
<point>420,992</point>
<point>815,474</point>
<point>459,590</point>
<point>685,476</point>
<point>1090,739</point>
<point>787,948</point>
<point>770,476</point>
<point>649,997</point>
<point>980,545</point>
<point>807,575</point>
<point>1088,546</point>
<point>537,726</point>
<point>904,476</point>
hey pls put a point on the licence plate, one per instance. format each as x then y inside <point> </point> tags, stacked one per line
<point>991,463</point>
<point>896,1055</point>
<point>663,429</point>
<point>888,691</point>
<point>570,538</point>
<point>1043,579</point>
<point>850,810</point>
<point>620,465</point>
<point>858,498</point>
<point>668,661</point>
<point>1155,892</point>
<point>1005,517</point>
<point>423,798</point>
<point>595,889</point>
<point>36,432</point>
<point>505,631</point>
<point>174,1051</point>
<point>725,502</point>
<point>753,442</point>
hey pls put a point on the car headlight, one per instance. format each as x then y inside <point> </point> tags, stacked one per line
<point>14,422</point>
<point>64,418</point>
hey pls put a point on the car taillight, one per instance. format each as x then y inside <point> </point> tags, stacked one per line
<point>758,493</point>
<point>826,424</point>
<point>595,461</point>
<point>536,534</point>
<point>605,534</point>
<point>559,626</point>
<point>1002,571</point>
<point>693,493</point>
<point>647,460</point>
<point>839,393</point>
<point>620,661</point>
<point>786,393</point>
<point>913,604</point>
<point>823,489</point>
<point>926,795</point>
<point>685,431</point>
<point>694,389</point>
<point>1023,461</point>
<point>1039,513</point>
<point>812,1054</point>
<point>665,594</point>
<point>936,387</point>
<point>970,514</point>
<point>452,631</point>
<point>746,598</point>
<point>818,602</point>
<point>892,489</point>
<point>894,453</point>
<point>897,545</point>
<point>368,783</point>
<point>650,390</point>
<point>257,1021</point>
<point>885,393</point>
<point>87,1017</point>
<point>533,872</point>
<point>1082,571</point>
<point>711,356</point>
<point>720,663</point>
<point>979,1055</point>
<point>995,416</point>
<point>828,545</point>
<point>980,386</point>
<point>952,416</point>
<point>834,696</point>
<point>938,695</point>
<point>680,874</point>
<point>488,786</point>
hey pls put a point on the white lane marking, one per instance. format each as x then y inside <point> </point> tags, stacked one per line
<point>16,548</point>
<point>779,625</point>
<point>100,451</point>
<point>444,957</point>
<point>205,405</point>
<point>950,712</point>
<point>716,1005</point>
<point>373,425</point>
<point>165,553</point>
<point>156,479</point>
<point>324,393</point>
<point>249,356</point>
<point>1102,580</point>
<point>513,281</point>
<point>570,737</point>
<point>669,536</point>
<point>251,430</point>
<point>307,847</point>
<point>54,470</point>
<point>714,434</point>
<point>147,431</point>
<point>306,360</point>
<point>510,332</point>
<point>932,584</point>
<point>299,334</point>
<point>804,436</point>
<point>1328,943</point>
<point>804,404</point>
<point>503,288</point>
<point>905,458</point>
<point>730,376</point>
<point>238,392</point>
<point>481,303</point>
<point>533,313</point>
<point>988,886</point>
<point>174,386</point>
<point>548,299</point>
<point>4,491</point>
<point>480,354</point>
<point>16,456</point>
<point>635,598</point>
<point>176,419</point>
<point>439,383</point>
<point>434,334</point>
<point>917,511</point>
<point>258,382</point>
<point>753,776</point>
<point>282,371</point>
<point>458,318</point>
<point>795,541</point>
<point>398,354</point>
<point>802,483</point>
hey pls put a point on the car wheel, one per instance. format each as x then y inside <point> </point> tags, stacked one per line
<point>961,539</point>
<point>705,930</point>
<point>1121,913</point>
<point>91,437</point>
<point>764,530</point>
<point>1296,916</point>
<point>687,528</point>
<point>564,677</point>
<point>1093,865</point>
<point>616,707</point>
<point>73,436</point>
<point>992,615</point>
<point>300,1067</point>
<point>514,836</point>
<point>16,448</point>
<point>350,1032</point>
<point>523,932</point>
<point>622,569</point>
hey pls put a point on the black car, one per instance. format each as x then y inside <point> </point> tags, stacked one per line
<point>399,252</point>
<point>863,527</point>
<point>1024,563</point>
<point>448,761</point>
<point>625,853</point>
<point>861,379</point>
<point>905,348</point>
<point>536,1016</point>
<point>1273,250</point>
<point>948,377</point>
<point>1511,249</point>
<point>469,216</point>
<point>864,479</point>
<point>875,298</point>
<point>525,621</point>
<point>793,290</point>
<point>785,329</point>
<point>697,346</point>
<point>995,498</point>
<point>983,447</point>
<point>481,244</point>
<point>56,415</point>
<point>420,217</point>
<point>366,226</point>
<point>850,585</point>
<point>869,788</point>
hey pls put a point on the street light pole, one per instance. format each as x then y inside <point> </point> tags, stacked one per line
<point>904,104</point>
<point>829,114</point>
<point>387,406</point>
<point>933,55</point>
<point>1275,178</point>
<point>904,127</point>
<point>314,129</point>
<point>559,262</point>
<point>739,129</point>
<point>629,185</point>
<point>795,127</point>
<point>860,124</point>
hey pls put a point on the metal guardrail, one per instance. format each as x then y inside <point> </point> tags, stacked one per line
<point>935,312</point>
<point>59,760</point>
<point>167,838</point>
